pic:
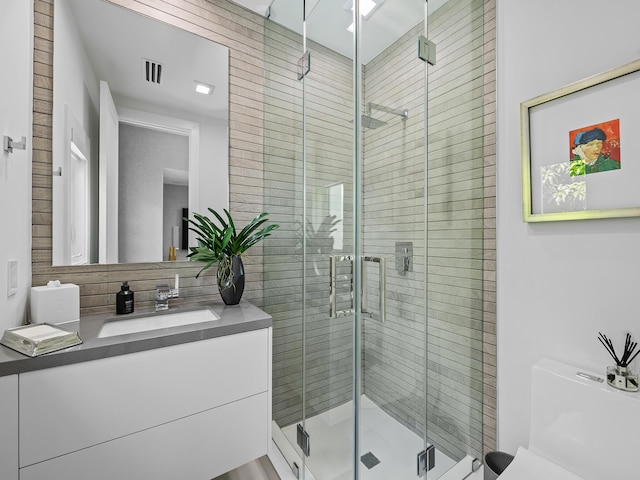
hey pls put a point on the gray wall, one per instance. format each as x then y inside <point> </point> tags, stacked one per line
<point>329,140</point>
<point>394,211</point>
<point>283,200</point>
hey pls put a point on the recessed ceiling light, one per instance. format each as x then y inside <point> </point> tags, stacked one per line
<point>367,7</point>
<point>204,88</point>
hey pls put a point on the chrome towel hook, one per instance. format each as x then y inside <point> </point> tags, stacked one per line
<point>10,144</point>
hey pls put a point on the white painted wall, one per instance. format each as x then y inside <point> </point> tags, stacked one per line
<point>16,99</point>
<point>213,152</point>
<point>77,88</point>
<point>558,283</point>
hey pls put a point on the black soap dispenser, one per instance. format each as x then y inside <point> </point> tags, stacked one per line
<point>124,299</point>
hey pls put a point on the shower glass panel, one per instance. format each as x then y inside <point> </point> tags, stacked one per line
<point>331,262</point>
<point>392,348</point>
<point>374,170</point>
<point>454,223</point>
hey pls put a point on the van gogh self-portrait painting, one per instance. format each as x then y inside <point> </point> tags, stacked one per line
<point>595,148</point>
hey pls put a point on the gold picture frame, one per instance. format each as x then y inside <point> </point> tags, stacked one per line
<point>555,184</point>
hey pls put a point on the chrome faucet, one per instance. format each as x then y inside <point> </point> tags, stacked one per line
<point>165,292</point>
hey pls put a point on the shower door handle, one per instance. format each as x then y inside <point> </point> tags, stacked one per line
<point>333,259</point>
<point>382,291</point>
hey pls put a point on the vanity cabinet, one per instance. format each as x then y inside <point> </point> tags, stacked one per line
<point>189,411</point>
<point>9,427</point>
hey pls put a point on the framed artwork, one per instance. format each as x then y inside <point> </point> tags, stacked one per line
<point>579,160</point>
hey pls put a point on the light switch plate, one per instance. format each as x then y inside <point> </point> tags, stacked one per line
<point>12,277</point>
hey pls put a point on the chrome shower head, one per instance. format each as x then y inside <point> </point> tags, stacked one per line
<point>367,121</point>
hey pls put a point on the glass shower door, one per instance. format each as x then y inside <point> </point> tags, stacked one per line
<point>378,344</point>
<point>330,264</point>
<point>309,190</point>
<point>392,347</point>
<point>421,202</point>
<point>364,155</point>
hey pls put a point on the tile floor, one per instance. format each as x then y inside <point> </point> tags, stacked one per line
<point>256,470</point>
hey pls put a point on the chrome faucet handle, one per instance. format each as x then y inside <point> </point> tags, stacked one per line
<point>165,292</point>
<point>162,292</point>
<point>162,297</point>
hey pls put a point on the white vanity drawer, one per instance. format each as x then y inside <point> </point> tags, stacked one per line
<point>9,429</point>
<point>201,446</point>
<point>65,409</point>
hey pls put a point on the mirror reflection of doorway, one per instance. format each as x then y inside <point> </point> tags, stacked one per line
<point>72,197</point>
<point>153,166</point>
<point>175,201</point>
<point>78,206</point>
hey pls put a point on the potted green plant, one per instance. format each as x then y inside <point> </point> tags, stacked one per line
<point>219,241</point>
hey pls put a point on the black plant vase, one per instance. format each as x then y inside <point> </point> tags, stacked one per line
<point>231,279</point>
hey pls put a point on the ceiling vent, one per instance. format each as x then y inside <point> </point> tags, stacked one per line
<point>152,71</point>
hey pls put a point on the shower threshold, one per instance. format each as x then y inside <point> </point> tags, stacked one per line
<point>394,446</point>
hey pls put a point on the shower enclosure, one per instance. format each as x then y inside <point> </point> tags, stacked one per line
<point>374,170</point>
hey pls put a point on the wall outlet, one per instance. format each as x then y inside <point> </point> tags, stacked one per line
<point>12,277</point>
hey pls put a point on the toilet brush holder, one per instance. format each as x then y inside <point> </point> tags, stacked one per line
<point>622,378</point>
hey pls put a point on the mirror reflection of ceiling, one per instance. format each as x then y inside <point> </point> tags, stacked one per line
<point>117,56</point>
<point>328,21</point>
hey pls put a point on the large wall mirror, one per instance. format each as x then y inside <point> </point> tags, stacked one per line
<point>139,134</point>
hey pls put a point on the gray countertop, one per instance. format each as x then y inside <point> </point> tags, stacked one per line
<point>233,319</point>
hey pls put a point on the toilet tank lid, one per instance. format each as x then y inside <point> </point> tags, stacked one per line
<point>577,422</point>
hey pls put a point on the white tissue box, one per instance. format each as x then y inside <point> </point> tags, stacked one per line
<point>55,304</point>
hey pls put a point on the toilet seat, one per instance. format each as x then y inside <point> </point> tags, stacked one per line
<point>526,465</point>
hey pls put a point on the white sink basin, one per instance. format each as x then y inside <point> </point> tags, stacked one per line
<point>155,322</point>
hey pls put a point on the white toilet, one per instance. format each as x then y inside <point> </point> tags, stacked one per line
<point>581,428</point>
